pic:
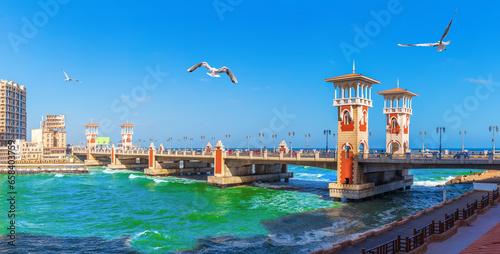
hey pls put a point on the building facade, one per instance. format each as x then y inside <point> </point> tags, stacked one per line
<point>51,137</point>
<point>12,112</point>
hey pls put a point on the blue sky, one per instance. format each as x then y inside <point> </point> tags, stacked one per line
<point>280,51</point>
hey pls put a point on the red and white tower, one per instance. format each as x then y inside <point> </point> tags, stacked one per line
<point>352,99</point>
<point>91,132</point>
<point>127,132</point>
<point>397,108</point>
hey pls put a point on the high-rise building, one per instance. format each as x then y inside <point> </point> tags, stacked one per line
<point>12,111</point>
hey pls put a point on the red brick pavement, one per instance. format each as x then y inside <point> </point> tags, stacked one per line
<point>489,243</point>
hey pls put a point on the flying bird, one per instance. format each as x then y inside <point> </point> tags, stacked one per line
<point>214,72</point>
<point>440,45</point>
<point>70,79</point>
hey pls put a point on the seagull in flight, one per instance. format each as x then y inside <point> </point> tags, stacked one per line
<point>70,79</point>
<point>440,45</point>
<point>214,72</point>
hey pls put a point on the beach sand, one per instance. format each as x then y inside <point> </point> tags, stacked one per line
<point>489,176</point>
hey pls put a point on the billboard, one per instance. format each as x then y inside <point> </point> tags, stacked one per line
<point>102,141</point>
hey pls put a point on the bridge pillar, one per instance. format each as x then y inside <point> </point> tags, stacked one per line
<point>234,171</point>
<point>113,155</point>
<point>153,166</point>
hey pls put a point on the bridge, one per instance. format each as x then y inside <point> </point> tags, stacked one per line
<point>383,174</point>
<point>359,175</point>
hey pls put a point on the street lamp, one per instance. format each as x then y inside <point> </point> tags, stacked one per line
<point>185,143</point>
<point>261,135</point>
<point>248,143</point>
<point>291,134</point>
<point>463,133</point>
<point>191,141</point>
<point>440,130</point>
<point>169,140</point>
<point>493,129</point>
<point>227,141</point>
<point>326,133</point>
<point>423,133</point>
<point>213,141</point>
<point>307,141</point>
<point>274,142</point>
<point>202,142</point>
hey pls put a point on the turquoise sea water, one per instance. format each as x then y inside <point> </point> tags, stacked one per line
<point>127,211</point>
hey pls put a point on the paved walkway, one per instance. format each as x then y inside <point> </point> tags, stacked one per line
<point>406,229</point>
<point>484,231</point>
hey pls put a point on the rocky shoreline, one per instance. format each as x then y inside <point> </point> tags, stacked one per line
<point>488,176</point>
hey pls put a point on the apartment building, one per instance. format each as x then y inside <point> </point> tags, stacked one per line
<point>12,111</point>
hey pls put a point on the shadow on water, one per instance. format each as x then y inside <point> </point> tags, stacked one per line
<point>49,244</point>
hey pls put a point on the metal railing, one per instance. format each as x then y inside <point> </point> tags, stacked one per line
<point>417,239</point>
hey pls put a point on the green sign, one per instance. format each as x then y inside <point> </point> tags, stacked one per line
<point>102,141</point>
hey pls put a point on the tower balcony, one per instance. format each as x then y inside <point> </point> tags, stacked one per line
<point>402,110</point>
<point>352,101</point>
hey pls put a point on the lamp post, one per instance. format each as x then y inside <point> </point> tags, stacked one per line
<point>326,133</point>
<point>213,141</point>
<point>423,133</point>
<point>463,133</point>
<point>274,142</point>
<point>202,142</point>
<point>248,144</point>
<point>291,134</point>
<point>169,140</point>
<point>191,142</point>
<point>227,141</point>
<point>261,135</point>
<point>185,143</point>
<point>307,141</point>
<point>493,129</point>
<point>440,130</point>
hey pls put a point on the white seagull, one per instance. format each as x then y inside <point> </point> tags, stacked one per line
<point>70,79</point>
<point>214,72</point>
<point>440,45</point>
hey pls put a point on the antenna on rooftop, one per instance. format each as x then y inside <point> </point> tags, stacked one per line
<point>398,82</point>
<point>353,66</point>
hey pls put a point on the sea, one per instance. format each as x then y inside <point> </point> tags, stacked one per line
<point>126,211</point>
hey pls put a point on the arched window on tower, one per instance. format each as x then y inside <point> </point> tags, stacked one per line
<point>347,118</point>
<point>394,123</point>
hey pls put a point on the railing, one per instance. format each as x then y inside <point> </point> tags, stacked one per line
<point>413,242</point>
<point>417,240</point>
<point>426,230</point>
<point>485,201</point>
<point>390,247</point>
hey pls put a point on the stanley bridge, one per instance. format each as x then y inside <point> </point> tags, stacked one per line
<point>360,175</point>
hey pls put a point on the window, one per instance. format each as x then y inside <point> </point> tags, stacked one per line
<point>394,123</point>
<point>347,118</point>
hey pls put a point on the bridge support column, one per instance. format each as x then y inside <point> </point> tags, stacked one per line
<point>234,171</point>
<point>91,160</point>
<point>153,166</point>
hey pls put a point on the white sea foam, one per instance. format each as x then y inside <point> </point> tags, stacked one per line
<point>433,183</point>
<point>132,176</point>
<point>59,175</point>
<point>308,175</point>
<point>111,171</point>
